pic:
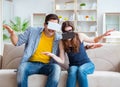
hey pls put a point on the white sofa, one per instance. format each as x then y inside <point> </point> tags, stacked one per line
<point>106,60</point>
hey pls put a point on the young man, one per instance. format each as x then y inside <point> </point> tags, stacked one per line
<point>38,40</point>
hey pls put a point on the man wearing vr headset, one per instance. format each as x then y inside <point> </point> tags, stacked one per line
<point>34,61</point>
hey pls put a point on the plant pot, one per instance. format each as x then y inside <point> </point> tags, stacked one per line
<point>82,7</point>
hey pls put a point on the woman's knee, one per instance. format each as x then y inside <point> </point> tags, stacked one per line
<point>73,70</point>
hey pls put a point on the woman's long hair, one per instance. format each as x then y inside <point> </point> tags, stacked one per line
<point>74,43</point>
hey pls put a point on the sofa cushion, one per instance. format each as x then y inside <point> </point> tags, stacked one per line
<point>8,78</point>
<point>106,58</point>
<point>97,79</point>
<point>11,56</point>
<point>43,78</point>
<point>104,79</point>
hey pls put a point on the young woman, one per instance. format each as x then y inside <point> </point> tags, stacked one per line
<point>80,64</point>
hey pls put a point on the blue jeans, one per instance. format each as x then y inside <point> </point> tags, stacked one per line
<point>80,73</point>
<point>28,68</point>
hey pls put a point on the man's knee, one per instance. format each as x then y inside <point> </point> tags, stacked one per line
<point>56,67</point>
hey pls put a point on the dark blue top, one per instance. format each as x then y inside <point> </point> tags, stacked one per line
<point>78,58</point>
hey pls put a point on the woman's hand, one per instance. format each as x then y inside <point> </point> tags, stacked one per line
<point>107,33</point>
<point>93,46</point>
<point>98,38</point>
<point>56,58</point>
<point>48,54</point>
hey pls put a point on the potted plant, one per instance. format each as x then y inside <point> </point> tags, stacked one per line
<point>82,5</point>
<point>17,25</point>
<point>87,17</point>
<point>60,17</point>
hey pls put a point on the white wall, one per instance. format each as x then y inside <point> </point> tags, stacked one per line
<point>1,27</point>
<point>7,11</point>
<point>24,8</point>
<point>106,6</point>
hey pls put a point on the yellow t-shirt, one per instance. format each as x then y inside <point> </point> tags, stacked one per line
<point>45,45</point>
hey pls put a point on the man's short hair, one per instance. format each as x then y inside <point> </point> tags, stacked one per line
<point>51,16</point>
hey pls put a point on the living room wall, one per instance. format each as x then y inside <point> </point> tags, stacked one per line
<point>20,8</point>
<point>106,6</point>
<point>25,10</point>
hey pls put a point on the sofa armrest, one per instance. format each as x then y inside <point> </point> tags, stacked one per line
<point>0,61</point>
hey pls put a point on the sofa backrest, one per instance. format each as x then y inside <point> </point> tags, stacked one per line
<point>104,58</point>
<point>12,56</point>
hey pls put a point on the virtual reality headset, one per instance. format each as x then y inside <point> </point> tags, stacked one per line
<point>54,26</point>
<point>68,35</point>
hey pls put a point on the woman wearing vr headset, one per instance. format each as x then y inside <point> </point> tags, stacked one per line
<point>80,64</point>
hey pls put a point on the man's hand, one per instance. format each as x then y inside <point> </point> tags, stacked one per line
<point>8,28</point>
<point>13,36</point>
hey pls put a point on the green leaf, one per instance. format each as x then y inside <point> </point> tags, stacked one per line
<point>18,25</point>
<point>5,37</point>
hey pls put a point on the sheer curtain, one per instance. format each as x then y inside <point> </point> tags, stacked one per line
<point>1,32</point>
